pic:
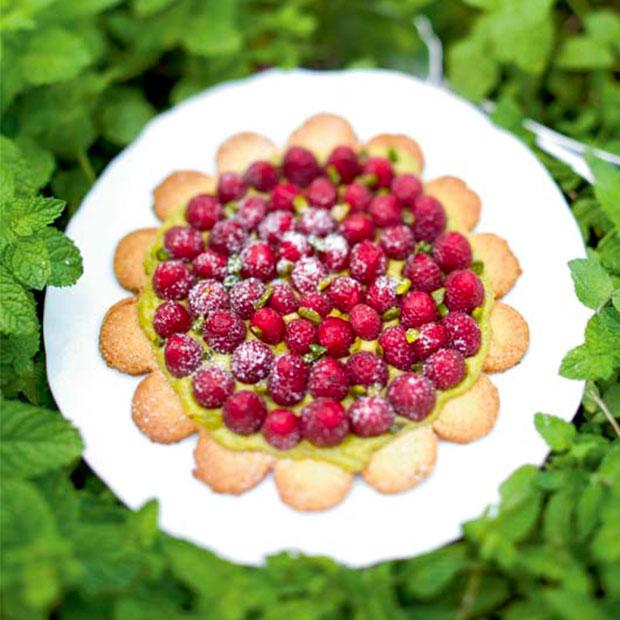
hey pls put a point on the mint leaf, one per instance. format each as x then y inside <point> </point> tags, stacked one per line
<point>40,161</point>
<point>212,30</point>
<point>27,215</point>
<point>593,284</point>
<point>464,55</point>
<point>15,168</point>
<point>583,53</point>
<point>17,309</point>
<point>607,188</point>
<point>29,262</point>
<point>125,112</point>
<point>143,8</point>
<point>65,258</point>
<point>16,353</point>
<point>604,26</point>
<point>558,434</point>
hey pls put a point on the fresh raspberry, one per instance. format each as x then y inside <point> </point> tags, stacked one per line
<point>321,193</point>
<point>463,333</point>
<point>336,335</point>
<point>244,295</point>
<point>358,197</point>
<point>381,294</point>
<point>283,299</point>
<point>445,368</point>
<point>412,396</point>
<point>365,321</point>
<point>385,211</point>
<point>334,252</point>
<point>210,264</point>
<point>251,212</point>
<point>171,318</point>
<point>182,354</point>
<point>367,261</point>
<point>212,386</point>
<point>231,187</point>
<point>258,260</point>
<point>261,175</point>
<point>224,331</point>
<point>203,211</point>
<point>344,160</point>
<point>328,379</point>
<point>283,197</point>
<point>293,246</point>
<point>227,237</point>
<point>432,337</point>
<point>307,274</point>
<point>367,369</point>
<point>268,325</point>
<point>251,361</point>
<point>464,291</point>
<point>244,412</point>
<point>324,423</point>
<point>357,227</point>
<point>396,349</point>
<point>207,296</point>
<point>430,218</point>
<point>417,308</point>
<point>183,242</point>
<point>300,334</point>
<point>273,227</point>
<point>288,379</point>
<point>318,302</point>
<point>172,280</point>
<point>282,429</point>
<point>381,168</point>
<point>397,241</point>
<point>345,292</point>
<point>423,272</point>
<point>317,222</point>
<point>300,166</point>
<point>452,251</point>
<point>406,188</point>
<point>371,416</point>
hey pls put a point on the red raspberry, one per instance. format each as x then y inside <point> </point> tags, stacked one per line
<point>365,321</point>
<point>430,218</point>
<point>244,412</point>
<point>182,354</point>
<point>251,361</point>
<point>381,168</point>
<point>324,423</point>
<point>210,264</point>
<point>367,369</point>
<point>334,252</point>
<point>452,251</point>
<point>268,325</point>
<point>207,296</point>
<point>293,246</point>
<point>251,212</point>
<point>244,295</point>
<point>381,294</point>
<point>396,349</point>
<point>417,308</point>
<point>224,331</point>
<point>432,337</point>
<point>203,211</point>
<point>212,386</point>
<point>371,416</point>
<point>300,166</point>
<point>445,368</point>
<point>345,292</point>
<point>231,187</point>
<point>282,429</point>
<point>258,260</point>
<point>357,227</point>
<point>300,334</point>
<point>423,272</point>
<point>412,396</point>
<point>172,280</point>
<point>227,237</point>
<point>367,261</point>
<point>283,196</point>
<point>464,291</point>
<point>336,335</point>
<point>406,188</point>
<point>282,299</point>
<point>397,241</point>
<point>171,318</point>
<point>316,301</point>
<point>273,227</point>
<point>358,197</point>
<point>385,211</point>
<point>183,242</point>
<point>261,175</point>
<point>288,379</point>
<point>307,274</point>
<point>344,160</point>
<point>328,379</point>
<point>321,193</point>
<point>317,222</point>
<point>463,333</point>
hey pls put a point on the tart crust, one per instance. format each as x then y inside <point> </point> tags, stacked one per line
<point>241,149</point>
<point>383,143</point>
<point>177,188</point>
<point>501,266</point>
<point>323,132</point>
<point>510,338</point>
<point>129,258</point>
<point>462,205</point>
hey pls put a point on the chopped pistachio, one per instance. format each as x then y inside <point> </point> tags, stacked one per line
<point>300,203</point>
<point>438,295</point>
<point>340,211</point>
<point>370,180</point>
<point>412,335</point>
<point>333,174</point>
<point>424,246</point>
<point>477,313</point>
<point>403,286</point>
<point>308,313</point>
<point>234,264</point>
<point>392,154</point>
<point>162,254</point>
<point>408,217</point>
<point>477,267</point>
<point>392,313</point>
<point>284,267</point>
<point>358,390</point>
<point>323,284</point>
<point>263,299</point>
<point>230,280</point>
<point>443,309</point>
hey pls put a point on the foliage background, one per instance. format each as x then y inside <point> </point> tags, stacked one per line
<point>79,80</point>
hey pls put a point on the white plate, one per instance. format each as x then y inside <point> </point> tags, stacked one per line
<point>520,202</point>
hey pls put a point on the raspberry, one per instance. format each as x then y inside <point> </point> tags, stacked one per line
<point>317,222</point>
<point>417,308</point>
<point>224,331</point>
<point>365,321</point>
<point>251,212</point>
<point>283,196</point>
<point>261,175</point>
<point>182,354</point>
<point>207,296</point>
<point>307,274</point>
<point>183,242</point>
<point>345,292</point>
<point>371,416</point>
<point>344,160</point>
<point>324,423</point>
<point>244,412</point>
<point>452,251</point>
<point>381,294</point>
<point>317,302</point>
<point>203,211</point>
<point>172,280</point>
<point>282,298</point>
<point>357,227</point>
<point>328,379</point>
<point>258,260</point>
<point>282,429</point>
<point>412,396</point>
<point>367,261</point>
<point>381,168</point>
<point>293,246</point>
<point>227,237</point>
<point>171,318</point>
<point>288,379</point>
<point>268,325</point>
<point>430,218</point>
<point>365,368</point>
<point>406,188</point>
<point>300,334</point>
<point>231,187</point>
<point>432,337</point>
<point>334,252</point>
<point>396,349</point>
<point>358,197</point>
<point>243,295</point>
<point>464,291</point>
<point>445,368</point>
<point>397,241</point>
<point>423,272</point>
<point>463,333</point>
<point>210,264</point>
<point>212,386</point>
<point>385,211</point>
<point>300,166</point>
<point>251,361</point>
<point>321,193</point>
<point>336,335</point>
<point>273,227</point>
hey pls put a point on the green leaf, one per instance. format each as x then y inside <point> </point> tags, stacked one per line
<point>143,8</point>
<point>65,258</point>
<point>212,30</point>
<point>124,114</point>
<point>588,510</point>
<point>18,314</point>
<point>40,161</point>
<point>603,26</point>
<point>16,353</point>
<point>468,53</point>
<point>607,188</point>
<point>29,262</point>
<point>570,605</point>
<point>583,53</point>
<point>558,434</point>
<point>26,216</point>
<point>15,168</point>
<point>593,284</point>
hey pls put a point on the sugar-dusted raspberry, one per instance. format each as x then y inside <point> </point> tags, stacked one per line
<point>381,294</point>
<point>397,351</point>
<point>171,318</point>
<point>367,369</point>
<point>430,218</point>
<point>224,331</point>
<point>381,169</point>
<point>412,396</point>
<point>251,361</point>
<point>336,335</point>
<point>182,354</point>
<point>431,338</point>
<point>258,260</point>
<point>268,325</point>
<point>397,241</point>
<point>345,292</point>
<point>423,272</point>
<point>288,379</point>
<point>357,227</point>
<point>212,386</point>
<point>207,296</point>
<point>385,210</point>
<point>452,251</point>
<point>244,412</point>
<point>344,161</point>
<point>300,166</point>
<point>367,261</point>
<point>172,280</point>
<point>464,291</point>
<point>283,196</point>
<point>273,227</point>
<point>210,264</point>
<point>203,211</point>
<point>231,186</point>
<point>293,246</point>
<point>365,321</point>
<point>317,302</point>
<point>227,237</point>
<point>358,197</point>
<point>328,379</point>
<point>445,368</point>
<point>244,295</point>
<point>321,193</point>
<point>183,242</point>
<point>406,188</point>
<point>417,308</point>
<point>282,298</point>
<point>334,252</point>
<point>251,212</point>
<point>261,175</point>
<point>463,333</point>
<point>371,416</point>
<point>315,221</point>
<point>282,429</point>
<point>307,274</point>
<point>324,423</point>
<point>300,334</point>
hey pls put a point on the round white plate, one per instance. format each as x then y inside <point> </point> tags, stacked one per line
<point>520,202</point>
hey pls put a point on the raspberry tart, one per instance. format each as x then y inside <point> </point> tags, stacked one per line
<point>318,311</point>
